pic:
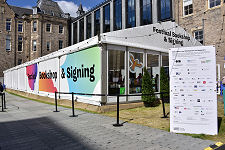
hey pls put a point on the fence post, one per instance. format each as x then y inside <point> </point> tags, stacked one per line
<point>164,114</point>
<point>117,117</point>
<point>56,109</point>
<point>73,115</point>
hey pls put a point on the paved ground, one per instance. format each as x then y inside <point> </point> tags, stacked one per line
<point>29,125</point>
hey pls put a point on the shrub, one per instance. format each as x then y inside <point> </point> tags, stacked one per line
<point>147,88</point>
<point>164,84</point>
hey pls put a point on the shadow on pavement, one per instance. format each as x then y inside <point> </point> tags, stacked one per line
<point>38,133</point>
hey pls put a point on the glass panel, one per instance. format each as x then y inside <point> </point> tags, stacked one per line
<point>131,13</point>
<point>48,46</point>
<point>116,78</point>
<point>81,33</point>
<point>165,10</point>
<point>48,27</point>
<point>20,43</point>
<point>146,12</point>
<point>165,60</point>
<point>135,72</point>
<point>97,22</point>
<point>60,44</point>
<point>117,15</point>
<point>88,25</point>
<point>8,24</point>
<point>35,26</point>
<point>8,43</point>
<point>34,45</point>
<point>60,28</point>
<point>106,25</point>
<point>154,69</point>
<point>20,26</point>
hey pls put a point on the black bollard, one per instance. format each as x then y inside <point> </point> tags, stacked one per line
<point>73,115</point>
<point>4,101</point>
<point>164,113</point>
<point>56,109</point>
<point>117,117</point>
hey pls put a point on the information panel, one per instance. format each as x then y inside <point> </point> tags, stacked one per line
<point>193,99</point>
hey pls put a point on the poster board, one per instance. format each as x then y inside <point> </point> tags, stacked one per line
<point>193,99</point>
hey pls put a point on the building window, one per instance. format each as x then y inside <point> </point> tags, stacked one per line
<point>199,35</point>
<point>34,26</point>
<point>146,12</point>
<point>88,25</point>
<point>188,7</point>
<point>8,24</point>
<point>2,9</point>
<point>8,43</point>
<point>154,70</point>
<point>97,22</point>
<point>116,72</point>
<point>214,3</point>
<point>60,44</point>
<point>75,33</point>
<point>48,27</point>
<point>106,18</point>
<point>20,26</point>
<point>165,9</point>
<point>117,15</point>
<point>34,45</point>
<point>131,13</point>
<point>20,43</point>
<point>60,28</point>
<point>81,32</point>
<point>20,61</point>
<point>48,46</point>
<point>135,72</point>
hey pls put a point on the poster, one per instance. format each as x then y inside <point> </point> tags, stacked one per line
<point>32,78</point>
<point>193,99</point>
<point>48,74</point>
<point>80,72</point>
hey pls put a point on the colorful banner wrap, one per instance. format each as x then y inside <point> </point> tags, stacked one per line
<point>48,76</point>
<point>31,73</point>
<point>80,72</point>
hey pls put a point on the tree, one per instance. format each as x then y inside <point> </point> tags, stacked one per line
<point>164,84</point>
<point>147,88</point>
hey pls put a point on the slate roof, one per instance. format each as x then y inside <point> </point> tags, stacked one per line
<point>21,11</point>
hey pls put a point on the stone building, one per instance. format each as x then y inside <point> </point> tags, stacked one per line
<point>204,19</point>
<point>27,34</point>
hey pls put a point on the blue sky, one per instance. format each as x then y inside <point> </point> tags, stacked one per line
<point>69,6</point>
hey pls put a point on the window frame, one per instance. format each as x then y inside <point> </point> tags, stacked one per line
<point>46,28</point>
<point>8,23</point>
<point>8,39</point>
<point>104,18</point>
<point>132,13</point>
<point>115,28</point>
<point>197,31</point>
<point>20,40</point>
<point>97,25</point>
<point>61,29</point>
<point>18,24</point>
<point>188,10</point>
<point>160,9</point>
<point>88,24</point>
<point>34,45</point>
<point>34,26</point>
<point>60,46</point>
<point>214,3</point>
<point>142,12</point>
<point>48,46</point>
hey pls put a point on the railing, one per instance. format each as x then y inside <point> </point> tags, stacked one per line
<point>3,101</point>
<point>117,124</point>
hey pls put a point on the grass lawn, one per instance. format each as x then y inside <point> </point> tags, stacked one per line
<point>151,116</point>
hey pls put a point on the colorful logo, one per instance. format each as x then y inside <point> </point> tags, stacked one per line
<point>135,64</point>
<point>31,72</point>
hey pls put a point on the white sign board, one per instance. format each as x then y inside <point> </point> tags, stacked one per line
<point>193,99</point>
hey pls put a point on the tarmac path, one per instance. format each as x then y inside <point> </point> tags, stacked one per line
<point>30,125</point>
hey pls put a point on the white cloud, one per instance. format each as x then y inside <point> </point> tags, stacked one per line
<point>29,7</point>
<point>70,7</point>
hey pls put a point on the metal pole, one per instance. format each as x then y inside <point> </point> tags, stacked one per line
<point>73,106</point>
<point>117,118</point>
<point>4,101</point>
<point>56,109</point>
<point>164,114</point>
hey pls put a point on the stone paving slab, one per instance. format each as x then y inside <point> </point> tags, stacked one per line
<point>30,125</point>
